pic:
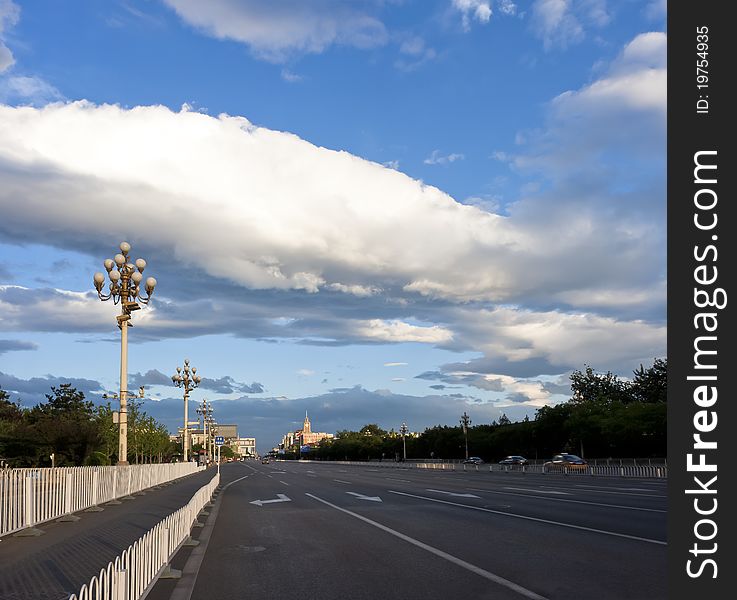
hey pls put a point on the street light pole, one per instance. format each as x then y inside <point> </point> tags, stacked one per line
<point>205,410</point>
<point>187,379</point>
<point>124,288</point>
<point>403,431</point>
<point>465,422</point>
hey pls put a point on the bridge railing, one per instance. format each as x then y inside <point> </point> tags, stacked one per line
<point>132,574</point>
<point>29,497</point>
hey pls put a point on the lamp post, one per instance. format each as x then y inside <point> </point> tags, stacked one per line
<point>465,422</point>
<point>205,410</point>
<point>403,430</point>
<point>187,379</point>
<point>125,288</point>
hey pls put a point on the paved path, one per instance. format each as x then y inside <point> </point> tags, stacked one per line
<point>57,564</point>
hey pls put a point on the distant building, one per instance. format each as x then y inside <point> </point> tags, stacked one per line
<point>307,437</point>
<point>228,431</point>
<point>246,447</point>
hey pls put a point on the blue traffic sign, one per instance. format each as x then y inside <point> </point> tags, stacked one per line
<point>219,440</point>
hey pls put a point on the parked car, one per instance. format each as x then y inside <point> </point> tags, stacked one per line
<point>264,461</point>
<point>513,460</point>
<point>570,462</point>
<point>473,460</point>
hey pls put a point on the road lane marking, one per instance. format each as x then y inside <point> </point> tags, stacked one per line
<point>279,498</point>
<point>449,557</point>
<point>506,514</point>
<point>284,482</point>
<point>402,480</point>
<point>539,491</point>
<point>341,481</point>
<point>362,497</point>
<point>453,493</point>
<point>569,500</point>
<point>624,489</point>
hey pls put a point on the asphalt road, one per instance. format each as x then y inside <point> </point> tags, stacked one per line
<point>329,532</point>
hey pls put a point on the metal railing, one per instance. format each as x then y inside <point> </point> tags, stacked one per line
<point>32,496</point>
<point>132,574</point>
<point>646,471</point>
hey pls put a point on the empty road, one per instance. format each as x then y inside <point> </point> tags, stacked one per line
<point>332,531</point>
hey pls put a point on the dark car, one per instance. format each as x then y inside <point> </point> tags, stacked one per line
<point>473,460</point>
<point>513,460</point>
<point>566,462</point>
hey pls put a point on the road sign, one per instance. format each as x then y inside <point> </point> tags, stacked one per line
<point>219,440</point>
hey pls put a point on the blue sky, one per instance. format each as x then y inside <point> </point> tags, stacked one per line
<point>376,211</point>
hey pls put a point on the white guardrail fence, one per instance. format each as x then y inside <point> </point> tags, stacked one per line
<point>134,572</point>
<point>647,471</point>
<point>32,496</point>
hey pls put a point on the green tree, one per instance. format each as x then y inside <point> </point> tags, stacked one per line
<point>66,426</point>
<point>590,386</point>
<point>651,385</point>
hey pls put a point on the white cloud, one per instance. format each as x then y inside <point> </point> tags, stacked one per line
<point>564,340</point>
<point>291,77</point>
<point>356,290</point>
<point>399,331</point>
<point>507,7</point>
<point>9,14</point>
<point>560,23</point>
<point>396,364</point>
<point>27,90</point>
<point>305,372</point>
<point>437,159</point>
<point>276,30</point>
<point>479,10</point>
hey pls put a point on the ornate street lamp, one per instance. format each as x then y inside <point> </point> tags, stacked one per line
<point>205,409</point>
<point>465,422</point>
<point>403,430</point>
<point>125,288</point>
<point>187,379</point>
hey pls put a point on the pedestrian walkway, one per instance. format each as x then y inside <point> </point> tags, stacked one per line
<point>55,565</point>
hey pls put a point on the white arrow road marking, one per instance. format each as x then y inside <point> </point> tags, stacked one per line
<point>362,497</point>
<point>279,498</point>
<point>453,494</point>
<point>537,491</point>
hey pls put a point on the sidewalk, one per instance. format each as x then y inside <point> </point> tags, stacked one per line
<point>57,564</point>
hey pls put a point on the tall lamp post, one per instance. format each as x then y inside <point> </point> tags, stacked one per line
<point>187,379</point>
<point>403,430</point>
<point>465,422</point>
<point>205,410</point>
<point>125,288</point>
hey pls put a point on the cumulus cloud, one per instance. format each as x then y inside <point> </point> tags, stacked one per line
<point>300,242</point>
<point>277,30</point>
<point>399,331</point>
<point>478,10</point>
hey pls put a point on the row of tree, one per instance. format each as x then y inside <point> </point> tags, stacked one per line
<point>76,432</point>
<point>605,417</point>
